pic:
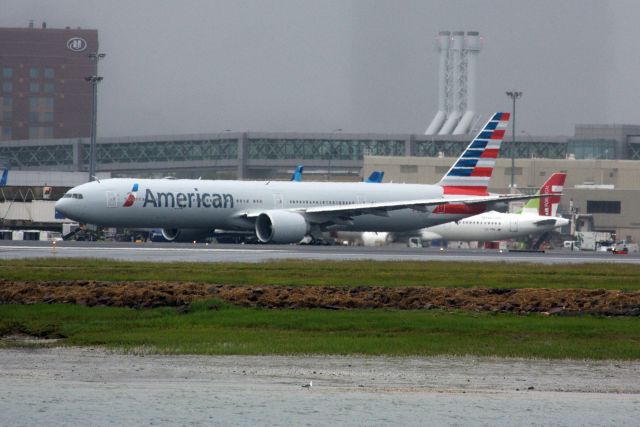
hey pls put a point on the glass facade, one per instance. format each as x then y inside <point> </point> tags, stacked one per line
<point>318,149</point>
<point>592,148</point>
<point>603,207</point>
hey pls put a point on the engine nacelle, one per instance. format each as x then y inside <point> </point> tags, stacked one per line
<point>184,234</point>
<point>281,227</point>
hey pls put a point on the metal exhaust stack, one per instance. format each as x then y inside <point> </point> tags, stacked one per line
<point>444,39</point>
<point>472,45</point>
<point>458,84</point>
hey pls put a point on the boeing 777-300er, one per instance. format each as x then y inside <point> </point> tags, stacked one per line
<point>538,216</point>
<point>286,211</point>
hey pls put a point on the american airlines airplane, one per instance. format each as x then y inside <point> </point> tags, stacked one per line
<point>287,211</point>
<point>538,216</point>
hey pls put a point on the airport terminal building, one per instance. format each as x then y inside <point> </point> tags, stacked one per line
<point>602,160</point>
<point>45,123</point>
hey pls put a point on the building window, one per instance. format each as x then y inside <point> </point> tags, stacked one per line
<point>6,132</point>
<point>409,168</point>
<point>7,72</point>
<point>7,87</point>
<point>49,73</point>
<point>603,207</point>
<point>34,73</point>
<point>7,101</point>
<point>34,87</point>
<point>47,116</point>
<point>40,132</point>
<point>33,116</point>
<point>49,87</point>
<point>7,116</point>
<point>517,171</point>
<point>36,103</point>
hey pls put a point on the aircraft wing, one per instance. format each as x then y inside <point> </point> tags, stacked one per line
<point>382,208</point>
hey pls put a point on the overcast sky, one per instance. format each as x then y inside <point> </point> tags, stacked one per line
<point>190,66</point>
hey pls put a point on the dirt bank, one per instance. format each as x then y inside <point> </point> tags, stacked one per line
<point>157,294</point>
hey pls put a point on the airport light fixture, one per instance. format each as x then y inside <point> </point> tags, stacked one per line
<point>514,95</point>
<point>331,153</point>
<point>94,80</point>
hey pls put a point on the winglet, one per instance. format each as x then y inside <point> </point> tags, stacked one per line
<point>471,172</point>
<point>297,174</point>
<point>375,177</point>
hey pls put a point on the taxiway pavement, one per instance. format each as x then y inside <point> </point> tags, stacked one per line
<point>169,252</point>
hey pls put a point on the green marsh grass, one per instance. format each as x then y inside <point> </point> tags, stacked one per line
<point>334,273</point>
<point>252,331</point>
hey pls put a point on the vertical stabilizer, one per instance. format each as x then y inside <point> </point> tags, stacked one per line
<point>547,206</point>
<point>470,174</point>
<point>375,177</point>
<point>5,176</point>
<point>297,174</point>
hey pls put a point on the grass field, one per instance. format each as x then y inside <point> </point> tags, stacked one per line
<point>234,330</point>
<point>352,273</point>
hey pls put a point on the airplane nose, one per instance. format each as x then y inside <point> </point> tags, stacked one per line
<point>62,206</point>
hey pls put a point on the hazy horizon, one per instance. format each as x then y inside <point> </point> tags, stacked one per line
<point>198,66</point>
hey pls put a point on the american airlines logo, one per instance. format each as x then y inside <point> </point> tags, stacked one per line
<point>187,200</point>
<point>76,44</point>
<point>131,196</point>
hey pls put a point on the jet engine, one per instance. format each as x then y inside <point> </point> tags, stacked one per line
<point>185,234</point>
<point>281,227</point>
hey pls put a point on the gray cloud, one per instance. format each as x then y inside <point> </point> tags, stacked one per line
<point>360,65</point>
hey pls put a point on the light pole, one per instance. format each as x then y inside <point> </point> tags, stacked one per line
<point>331,153</point>
<point>94,80</point>
<point>513,95</point>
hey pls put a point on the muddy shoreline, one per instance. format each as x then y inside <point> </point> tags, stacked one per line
<point>177,294</point>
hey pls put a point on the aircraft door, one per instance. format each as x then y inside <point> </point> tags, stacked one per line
<point>277,201</point>
<point>513,225</point>
<point>112,199</point>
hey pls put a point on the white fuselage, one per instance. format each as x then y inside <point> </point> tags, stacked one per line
<point>213,204</point>
<point>490,226</point>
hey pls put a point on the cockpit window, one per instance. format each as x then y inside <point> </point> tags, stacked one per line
<point>72,196</point>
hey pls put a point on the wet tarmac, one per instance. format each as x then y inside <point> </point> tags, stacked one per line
<point>151,251</point>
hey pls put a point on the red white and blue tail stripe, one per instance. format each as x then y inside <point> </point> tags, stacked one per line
<point>471,173</point>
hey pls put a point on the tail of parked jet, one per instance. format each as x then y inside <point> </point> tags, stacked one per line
<point>5,176</point>
<point>375,177</point>
<point>297,174</point>
<point>547,206</point>
<point>471,173</point>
